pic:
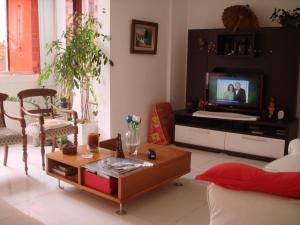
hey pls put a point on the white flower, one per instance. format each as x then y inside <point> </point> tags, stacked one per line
<point>137,119</point>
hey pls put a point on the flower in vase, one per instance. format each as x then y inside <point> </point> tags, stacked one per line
<point>133,121</point>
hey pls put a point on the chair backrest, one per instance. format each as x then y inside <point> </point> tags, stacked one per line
<point>3,97</point>
<point>38,92</point>
<point>110,144</point>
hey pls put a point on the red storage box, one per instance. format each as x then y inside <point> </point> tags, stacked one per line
<point>101,183</point>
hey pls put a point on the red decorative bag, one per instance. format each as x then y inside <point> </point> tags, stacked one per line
<point>161,124</point>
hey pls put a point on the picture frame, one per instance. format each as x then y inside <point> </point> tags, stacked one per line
<point>144,37</point>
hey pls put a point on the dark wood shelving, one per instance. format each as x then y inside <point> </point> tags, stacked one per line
<point>276,54</point>
<point>236,45</point>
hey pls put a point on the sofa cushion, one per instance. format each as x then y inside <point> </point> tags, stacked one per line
<point>239,176</point>
<point>294,147</point>
<point>289,163</point>
<point>230,207</point>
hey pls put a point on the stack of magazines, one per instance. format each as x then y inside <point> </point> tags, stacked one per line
<point>116,167</point>
<point>64,170</point>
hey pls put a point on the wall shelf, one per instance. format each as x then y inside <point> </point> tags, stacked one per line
<point>236,44</point>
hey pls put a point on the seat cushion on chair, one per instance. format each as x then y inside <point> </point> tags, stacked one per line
<point>52,128</point>
<point>9,136</point>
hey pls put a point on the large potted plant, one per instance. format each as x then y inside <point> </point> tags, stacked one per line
<point>77,62</point>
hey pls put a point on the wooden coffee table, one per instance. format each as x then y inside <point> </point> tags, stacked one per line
<point>170,164</point>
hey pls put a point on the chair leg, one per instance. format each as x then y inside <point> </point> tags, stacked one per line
<point>75,139</point>
<point>5,154</point>
<point>43,150</point>
<point>25,154</point>
<point>53,144</point>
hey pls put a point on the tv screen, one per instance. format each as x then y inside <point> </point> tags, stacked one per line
<point>239,91</point>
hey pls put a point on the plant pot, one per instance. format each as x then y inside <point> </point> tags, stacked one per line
<point>35,141</point>
<point>64,105</point>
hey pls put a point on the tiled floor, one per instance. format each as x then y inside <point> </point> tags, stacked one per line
<point>38,195</point>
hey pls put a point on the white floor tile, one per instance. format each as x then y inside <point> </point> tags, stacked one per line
<point>37,195</point>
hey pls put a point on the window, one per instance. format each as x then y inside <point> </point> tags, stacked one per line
<point>19,51</point>
<point>88,6</point>
<point>3,36</point>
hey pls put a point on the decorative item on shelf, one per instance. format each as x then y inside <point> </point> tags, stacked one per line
<point>211,48</point>
<point>271,108</point>
<point>132,135</point>
<point>239,17</point>
<point>241,47</point>
<point>202,43</point>
<point>69,149</point>
<point>201,104</point>
<point>280,115</point>
<point>287,18</point>
<point>250,50</point>
<point>143,37</point>
<point>120,153</point>
<point>93,140</point>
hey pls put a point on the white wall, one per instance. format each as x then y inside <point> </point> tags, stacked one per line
<point>11,84</point>
<point>137,80</point>
<point>103,90</point>
<point>208,13</point>
<point>176,86</point>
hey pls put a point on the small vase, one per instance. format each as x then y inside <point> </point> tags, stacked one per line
<point>132,141</point>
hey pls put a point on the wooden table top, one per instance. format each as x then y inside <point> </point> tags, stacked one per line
<point>163,154</point>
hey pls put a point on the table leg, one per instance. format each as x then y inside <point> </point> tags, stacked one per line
<point>59,185</point>
<point>121,211</point>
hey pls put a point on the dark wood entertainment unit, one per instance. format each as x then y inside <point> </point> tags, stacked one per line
<point>261,139</point>
<point>272,50</point>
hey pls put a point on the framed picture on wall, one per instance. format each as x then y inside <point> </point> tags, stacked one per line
<point>143,37</point>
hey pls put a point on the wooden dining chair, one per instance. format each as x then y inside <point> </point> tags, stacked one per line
<point>9,136</point>
<point>110,144</point>
<point>47,126</point>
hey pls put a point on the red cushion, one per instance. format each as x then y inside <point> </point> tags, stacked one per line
<point>239,176</point>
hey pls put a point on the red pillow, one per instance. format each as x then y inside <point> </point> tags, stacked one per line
<point>239,176</point>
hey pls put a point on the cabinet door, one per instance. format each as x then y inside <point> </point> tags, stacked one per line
<point>199,136</point>
<point>254,145</point>
<point>280,54</point>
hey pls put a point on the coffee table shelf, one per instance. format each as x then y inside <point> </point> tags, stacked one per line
<point>68,179</point>
<point>171,163</point>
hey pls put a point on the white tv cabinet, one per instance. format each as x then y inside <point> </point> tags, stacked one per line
<point>265,140</point>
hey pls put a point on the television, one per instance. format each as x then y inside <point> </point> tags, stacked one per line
<point>235,92</point>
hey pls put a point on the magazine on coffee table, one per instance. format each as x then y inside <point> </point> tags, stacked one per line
<point>116,167</point>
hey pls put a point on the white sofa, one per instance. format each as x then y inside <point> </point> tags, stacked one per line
<point>231,207</point>
<point>11,216</point>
